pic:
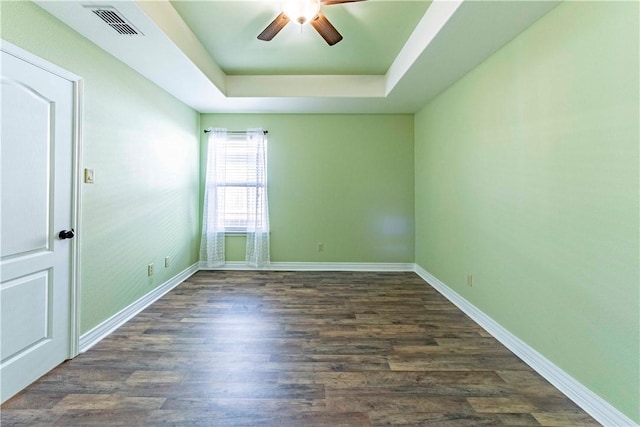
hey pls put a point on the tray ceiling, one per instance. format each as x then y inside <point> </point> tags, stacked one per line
<point>395,56</point>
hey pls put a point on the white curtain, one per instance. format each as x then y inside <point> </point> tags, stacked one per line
<point>258,254</point>
<point>212,243</point>
<point>235,196</point>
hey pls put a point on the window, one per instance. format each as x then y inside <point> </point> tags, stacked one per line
<point>239,186</point>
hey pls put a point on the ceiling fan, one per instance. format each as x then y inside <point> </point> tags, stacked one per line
<point>303,12</point>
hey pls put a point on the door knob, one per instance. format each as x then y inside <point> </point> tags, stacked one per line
<point>66,234</point>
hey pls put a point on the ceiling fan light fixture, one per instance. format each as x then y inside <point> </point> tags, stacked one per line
<point>301,11</point>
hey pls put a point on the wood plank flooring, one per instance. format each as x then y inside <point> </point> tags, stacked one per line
<point>296,349</point>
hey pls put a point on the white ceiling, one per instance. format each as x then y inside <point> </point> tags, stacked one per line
<point>395,56</point>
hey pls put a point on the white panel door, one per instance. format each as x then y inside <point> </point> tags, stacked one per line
<point>36,184</point>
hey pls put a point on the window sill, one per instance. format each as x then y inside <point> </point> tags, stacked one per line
<point>238,233</point>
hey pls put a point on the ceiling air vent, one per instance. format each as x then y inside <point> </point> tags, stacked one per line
<point>115,20</point>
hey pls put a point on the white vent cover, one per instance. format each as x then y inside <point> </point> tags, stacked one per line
<point>115,20</point>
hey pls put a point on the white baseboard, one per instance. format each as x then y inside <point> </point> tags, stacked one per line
<point>315,266</point>
<point>96,334</point>
<point>590,402</point>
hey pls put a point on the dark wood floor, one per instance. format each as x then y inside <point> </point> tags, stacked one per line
<point>296,349</point>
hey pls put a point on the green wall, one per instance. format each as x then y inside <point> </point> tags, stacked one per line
<point>527,177</point>
<point>143,145</point>
<point>342,180</point>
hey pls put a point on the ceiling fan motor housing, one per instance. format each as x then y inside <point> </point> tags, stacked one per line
<point>301,11</point>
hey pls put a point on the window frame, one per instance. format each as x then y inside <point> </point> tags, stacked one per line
<point>220,185</point>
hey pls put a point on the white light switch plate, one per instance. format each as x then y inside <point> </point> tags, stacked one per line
<point>88,176</point>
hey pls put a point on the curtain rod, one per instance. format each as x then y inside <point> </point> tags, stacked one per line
<point>236,132</point>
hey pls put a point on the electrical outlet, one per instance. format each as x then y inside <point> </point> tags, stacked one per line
<point>166,262</point>
<point>470,279</point>
<point>320,247</point>
<point>150,270</point>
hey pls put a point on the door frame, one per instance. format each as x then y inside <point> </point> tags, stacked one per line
<point>78,95</point>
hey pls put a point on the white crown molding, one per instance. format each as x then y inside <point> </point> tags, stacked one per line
<point>95,335</point>
<point>590,402</point>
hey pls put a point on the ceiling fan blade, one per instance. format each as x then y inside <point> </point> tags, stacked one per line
<point>326,30</point>
<point>330,2</point>
<point>274,28</point>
